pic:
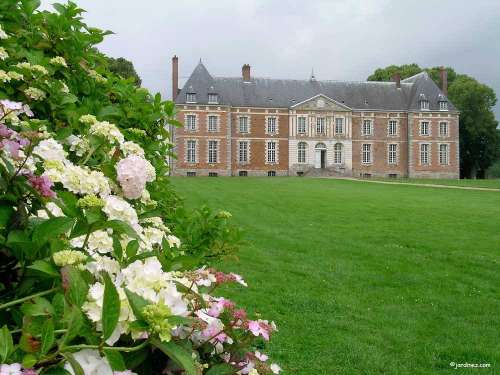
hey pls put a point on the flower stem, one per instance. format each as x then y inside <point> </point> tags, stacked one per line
<point>27,298</point>
<point>112,348</point>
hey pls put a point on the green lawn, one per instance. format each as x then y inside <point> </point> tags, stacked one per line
<point>366,278</point>
<point>490,183</point>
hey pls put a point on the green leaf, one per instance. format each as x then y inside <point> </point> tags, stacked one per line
<point>5,214</point>
<point>119,226</point>
<point>39,306</point>
<point>44,267</point>
<point>75,287</point>
<point>221,369</point>
<point>115,360</point>
<point>110,111</point>
<point>74,321</point>
<point>29,360</point>
<point>110,308</point>
<point>74,363</point>
<point>6,343</point>
<point>52,228</point>
<point>47,336</point>
<point>137,303</point>
<point>132,248</point>
<point>178,354</point>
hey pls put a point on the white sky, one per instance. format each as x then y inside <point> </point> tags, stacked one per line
<point>341,39</point>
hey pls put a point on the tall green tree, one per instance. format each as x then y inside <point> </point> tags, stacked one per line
<point>479,139</point>
<point>124,68</point>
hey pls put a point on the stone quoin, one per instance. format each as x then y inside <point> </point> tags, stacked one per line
<point>249,126</point>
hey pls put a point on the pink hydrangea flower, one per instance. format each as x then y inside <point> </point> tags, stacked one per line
<point>13,369</point>
<point>132,176</point>
<point>43,184</point>
<point>5,132</point>
<point>12,147</point>
<point>261,327</point>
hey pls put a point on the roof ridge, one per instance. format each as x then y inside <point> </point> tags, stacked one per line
<point>317,81</point>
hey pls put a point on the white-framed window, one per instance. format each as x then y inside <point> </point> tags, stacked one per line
<point>367,127</point>
<point>392,156</point>
<point>191,122</point>
<point>301,124</point>
<point>213,150</point>
<point>366,153</point>
<point>301,152</point>
<point>392,129</point>
<point>443,106</point>
<point>444,154</point>
<point>271,152</point>
<point>243,124</point>
<point>213,123</point>
<point>191,151</point>
<point>320,125</point>
<point>243,151</point>
<point>213,99</point>
<point>443,129</point>
<point>337,153</point>
<point>424,105</point>
<point>190,97</point>
<point>425,153</point>
<point>424,128</point>
<point>271,125</point>
<point>339,125</point>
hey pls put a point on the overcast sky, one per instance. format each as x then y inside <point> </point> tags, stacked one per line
<point>340,39</point>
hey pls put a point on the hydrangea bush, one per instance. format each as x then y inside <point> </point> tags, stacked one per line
<point>102,271</point>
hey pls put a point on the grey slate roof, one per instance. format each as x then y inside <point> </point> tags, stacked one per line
<point>284,93</point>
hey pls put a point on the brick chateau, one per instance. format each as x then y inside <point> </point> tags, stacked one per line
<point>249,126</point>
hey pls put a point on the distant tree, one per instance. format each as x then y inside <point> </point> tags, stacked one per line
<point>124,68</point>
<point>479,139</point>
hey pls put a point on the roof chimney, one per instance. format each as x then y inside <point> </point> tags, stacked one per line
<point>245,72</point>
<point>397,78</point>
<point>444,80</point>
<point>175,77</point>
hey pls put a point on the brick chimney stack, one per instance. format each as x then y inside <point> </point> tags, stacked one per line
<point>175,77</point>
<point>397,78</point>
<point>444,80</point>
<point>245,72</point>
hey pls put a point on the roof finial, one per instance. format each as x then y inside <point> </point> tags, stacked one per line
<point>313,78</point>
<point>200,62</point>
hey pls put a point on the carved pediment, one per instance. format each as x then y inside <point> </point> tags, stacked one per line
<point>321,103</point>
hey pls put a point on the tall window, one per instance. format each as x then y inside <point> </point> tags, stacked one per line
<point>393,153</point>
<point>212,123</point>
<point>301,125</point>
<point>393,128</point>
<point>191,122</point>
<point>424,105</point>
<point>320,125</point>
<point>443,129</point>
<point>271,125</point>
<point>339,125</point>
<point>337,153</point>
<point>243,151</point>
<point>367,128</point>
<point>213,99</point>
<point>301,152</point>
<point>424,154</point>
<point>191,151</point>
<point>424,128</point>
<point>443,106</point>
<point>190,97</point>
<point>243,124</point>
<point>444,155</point>
<point>212,151</point>
<point>367,153</point>
<point>271,152</point>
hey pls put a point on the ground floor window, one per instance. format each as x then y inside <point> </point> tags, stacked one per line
<point>337,153</point>
<point>212,151</point>
<point>444,154</point>
<point>271,173</point>
<point>271,152</point>
<point>393,153</point>
<point>243,151</point>
<point>301,152</point>
<point>191,151</point>
<point>366,153</point>
<point>424,154</point>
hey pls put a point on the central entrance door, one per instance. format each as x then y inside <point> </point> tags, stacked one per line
<point>320,156</point>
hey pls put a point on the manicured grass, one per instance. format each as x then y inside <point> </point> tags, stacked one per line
<point>490,183</point>
<point>366,278</point>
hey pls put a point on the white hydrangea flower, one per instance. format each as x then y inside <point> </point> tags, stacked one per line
<point>50,149</point>
<point>3,35</point>
<point>131,148</point>
<point>153,236</point>
<point>15,76</point>
<point>3,54</point>
<point>68,257</point>
<point>4,77</point>
<point>98,78</point>
<point>23,65</point>
<point>88,119</point>
<point>173,241</point>
<point>83,181</point>
<point>53,208</point>
<point>107,130</point>
<point>132,174</point>
<point>103,263</point>
<point>64,88</point>
<point>99,242</point>
<point>156,222</point>
<point>58,60</point>
<point>92,363</point>
<point>39,69</point>
<point>118,209</point>
<point>78,145</point>
<point>35,94</point>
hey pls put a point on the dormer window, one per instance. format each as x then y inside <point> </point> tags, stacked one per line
<point>213,99</point>
<point>424,105</point>
<point>190,97</point>
<point>443,106</point>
